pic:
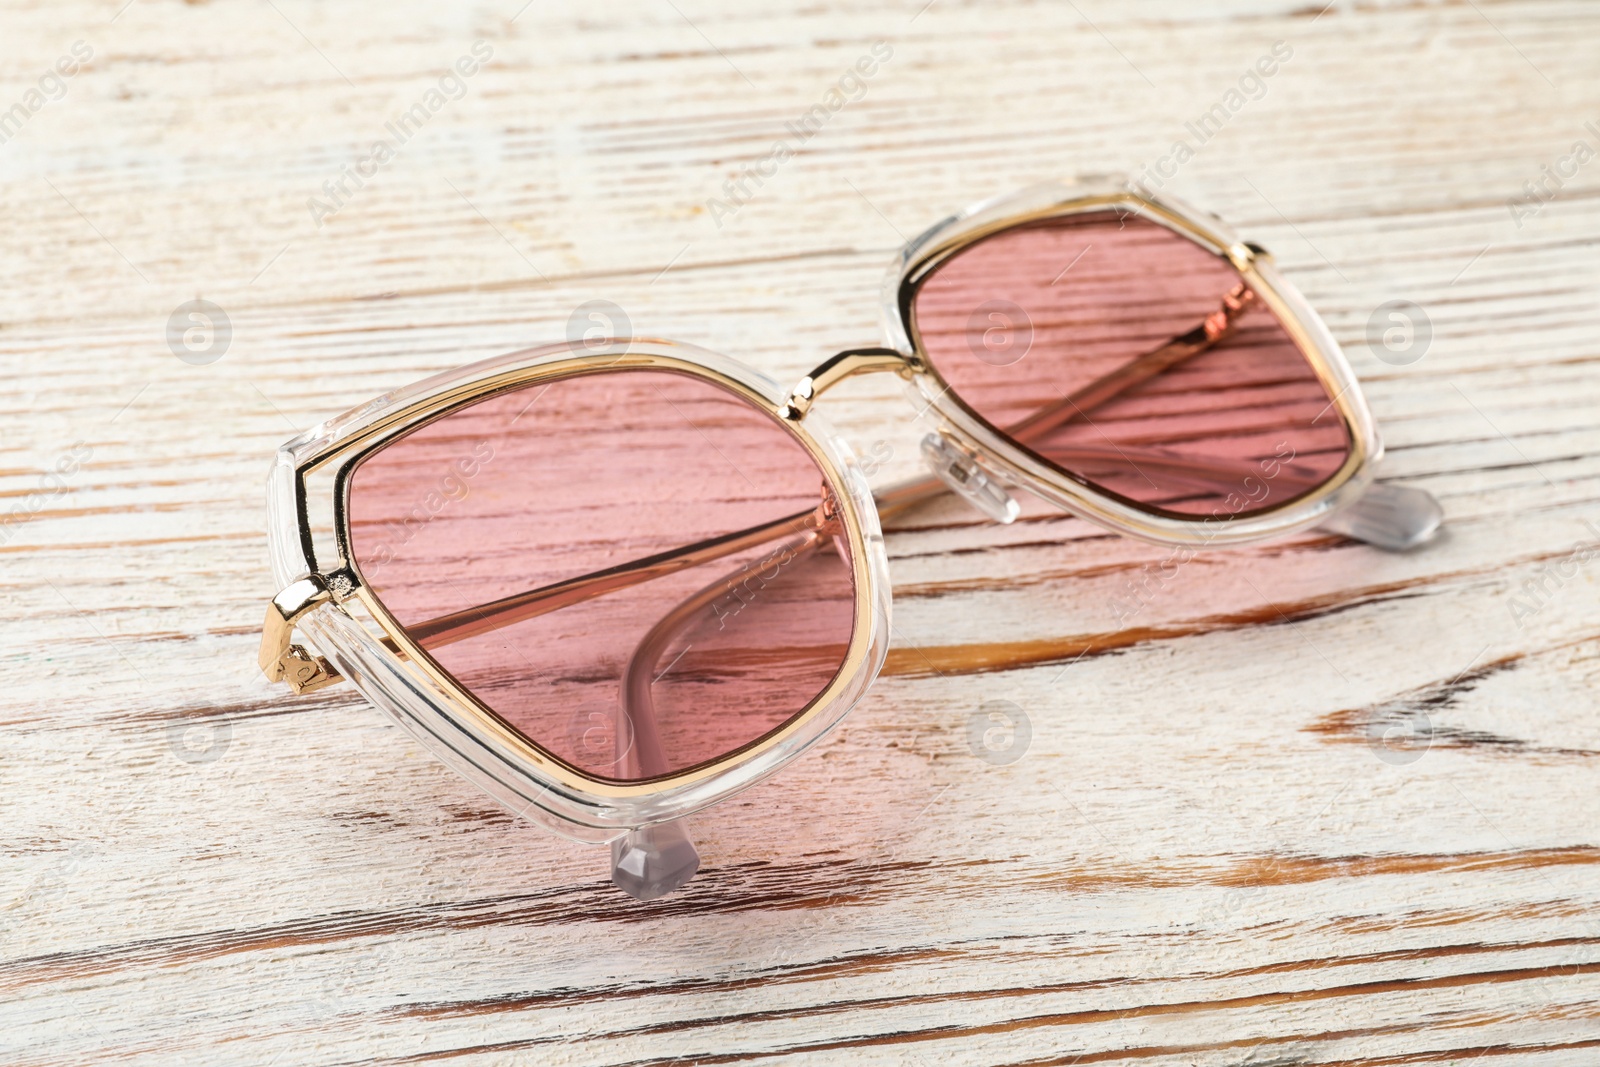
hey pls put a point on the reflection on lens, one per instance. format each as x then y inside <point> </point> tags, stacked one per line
<point>638,570</point>
<point>1150,371</point>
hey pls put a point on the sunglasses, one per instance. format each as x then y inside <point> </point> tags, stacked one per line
<point>615,582</point>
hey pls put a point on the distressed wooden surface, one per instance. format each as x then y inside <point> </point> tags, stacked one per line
<point>1205,853</point>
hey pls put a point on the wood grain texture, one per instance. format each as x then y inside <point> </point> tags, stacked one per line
<point>1202,857</point>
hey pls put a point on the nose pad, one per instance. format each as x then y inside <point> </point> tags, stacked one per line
<point>967,479</point>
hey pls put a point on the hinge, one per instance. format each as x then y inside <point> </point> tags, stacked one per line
<point>305,672</point>
<point>280,659</point>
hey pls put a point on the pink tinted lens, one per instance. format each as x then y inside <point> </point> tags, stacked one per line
<point>636,569</point>
<point>1132,358</point>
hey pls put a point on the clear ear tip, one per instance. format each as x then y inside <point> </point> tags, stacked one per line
<point>1391,517</point>
<point>650,863</point>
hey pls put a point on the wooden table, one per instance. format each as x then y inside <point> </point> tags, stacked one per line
<point>1317,804</point>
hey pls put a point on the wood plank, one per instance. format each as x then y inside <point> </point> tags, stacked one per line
<point>1206,854</point>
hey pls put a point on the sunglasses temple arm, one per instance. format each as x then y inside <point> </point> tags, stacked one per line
<point>281,660</point>
<point>1218,326</point>
<point>1199,472</point>
<point>962,475</point>
<point>648,862</point>
<point>655,860</point>
<point>485,618</point>
<point>1386,516</point>
<point>1390,517</point>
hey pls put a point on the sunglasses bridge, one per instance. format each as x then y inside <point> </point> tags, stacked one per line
<point>846,364</point>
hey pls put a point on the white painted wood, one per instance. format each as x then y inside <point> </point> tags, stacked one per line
<point>1200,859</point>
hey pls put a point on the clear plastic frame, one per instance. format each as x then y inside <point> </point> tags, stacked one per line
<point>349,631</point>
<point>361,641</point>
<point>1001,458</point>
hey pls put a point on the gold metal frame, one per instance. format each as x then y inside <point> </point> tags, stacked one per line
<point>995,449</point>
<point>570,801</point>
<point>343,583</point>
